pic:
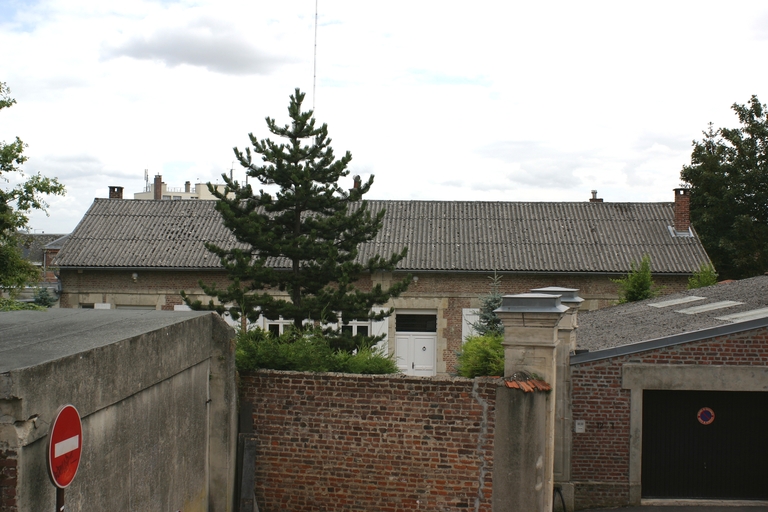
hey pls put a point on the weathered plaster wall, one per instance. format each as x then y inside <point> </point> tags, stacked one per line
<point>158,414</point>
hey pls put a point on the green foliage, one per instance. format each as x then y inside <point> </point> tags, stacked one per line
<point>43,298</point>
<point>19,195</point>
<point>311,227</point>
<point>482,356</point>
<point>638,283</point>
<point>705,276</point>
<point>15,271</point>
<point>305,351</point>
<point>728,178</point>
<point>14,305</point>
<point>489,322</point>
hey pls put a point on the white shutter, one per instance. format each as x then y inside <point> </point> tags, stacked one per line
<point>468,317</point>
<point>379,328</point>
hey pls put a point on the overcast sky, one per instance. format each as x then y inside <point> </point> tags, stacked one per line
<point>488,101</point>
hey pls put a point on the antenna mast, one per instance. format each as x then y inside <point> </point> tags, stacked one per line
<point>314,72</point>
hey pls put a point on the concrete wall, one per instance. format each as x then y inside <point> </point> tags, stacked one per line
<point>361,442</point>
<point>158,414</point>
<point>606,460</point>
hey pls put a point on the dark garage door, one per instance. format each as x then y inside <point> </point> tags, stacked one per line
<point>705,444</point>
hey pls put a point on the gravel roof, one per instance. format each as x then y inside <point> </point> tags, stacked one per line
<point>685,316</point>
<point>440,236</point>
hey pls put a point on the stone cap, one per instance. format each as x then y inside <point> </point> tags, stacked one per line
<point>567,295</point>
<point>531,303</point>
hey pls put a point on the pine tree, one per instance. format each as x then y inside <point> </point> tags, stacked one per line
<point>489,322</point>
<point>302,240</point>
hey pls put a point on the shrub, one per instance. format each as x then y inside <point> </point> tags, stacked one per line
<point>482,356</point>
<point>14,305</point>
<point>705,276</point>
<point>305,351</point>
<point>638,283</point>
<point>43,298</point>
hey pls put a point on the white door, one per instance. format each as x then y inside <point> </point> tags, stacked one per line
<point>415,353</point>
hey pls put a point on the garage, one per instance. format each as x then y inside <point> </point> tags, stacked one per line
<point>704,445</point>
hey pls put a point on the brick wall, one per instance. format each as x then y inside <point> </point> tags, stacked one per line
<point>448,293</point>
<point>600,456</point>
<point>8,480</point>
<point>358,442</point>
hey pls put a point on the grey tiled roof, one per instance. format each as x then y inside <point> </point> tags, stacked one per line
<point>440,236</point>
<point>681,316</point>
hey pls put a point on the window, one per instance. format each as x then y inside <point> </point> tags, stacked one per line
<point>415,323</point>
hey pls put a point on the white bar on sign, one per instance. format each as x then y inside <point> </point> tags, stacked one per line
<point>66,446</point>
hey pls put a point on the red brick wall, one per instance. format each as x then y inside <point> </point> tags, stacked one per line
<point>358,442</point>
<point>600,456</point>
<point>8,480</point>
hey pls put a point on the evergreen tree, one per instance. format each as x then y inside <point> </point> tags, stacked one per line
<point>489,322</point>
<point>728,178</point>
<point>304,238</point>
<point>638,283</point>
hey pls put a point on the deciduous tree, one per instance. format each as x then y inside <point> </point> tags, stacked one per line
<point>728,178</point>
<point>19,195</point>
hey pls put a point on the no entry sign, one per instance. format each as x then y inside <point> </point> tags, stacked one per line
<point>65,443</point>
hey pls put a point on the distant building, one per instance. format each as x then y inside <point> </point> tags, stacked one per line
<point>128,254</point>
<point>158,190</point>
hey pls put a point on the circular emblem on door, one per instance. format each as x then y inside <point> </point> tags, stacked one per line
<point>706,415</point>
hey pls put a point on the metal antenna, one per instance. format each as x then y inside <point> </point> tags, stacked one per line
<point>314,73</point>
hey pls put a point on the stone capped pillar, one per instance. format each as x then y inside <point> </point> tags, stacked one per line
<point>566,343</point>
<point>531,323</point>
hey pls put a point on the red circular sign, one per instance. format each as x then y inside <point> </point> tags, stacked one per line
<point>65,443</point>
<point>706,415</point>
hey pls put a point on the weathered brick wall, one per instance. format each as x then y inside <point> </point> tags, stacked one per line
<point>8,480</point>
<point>359,442</point>
<point>600,456</point>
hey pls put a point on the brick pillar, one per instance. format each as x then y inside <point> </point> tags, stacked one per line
<point>158,187</point>
<point>682,209</point>
<point>530,345</point>
<point>566,343</point>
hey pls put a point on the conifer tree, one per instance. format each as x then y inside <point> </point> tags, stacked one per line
<point>488,321</point>
<point>302,239</point>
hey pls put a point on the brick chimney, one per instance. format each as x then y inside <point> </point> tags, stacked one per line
<point>682,209</point>
<point>115,192</point>
<point>357,182</point>
<point>158,188</point>
<point>594,198</point>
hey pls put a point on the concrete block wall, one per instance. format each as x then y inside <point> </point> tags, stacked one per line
<point>361,442</point>
<point>600,458</point>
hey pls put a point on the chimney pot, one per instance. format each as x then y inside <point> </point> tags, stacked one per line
<point>187,186</point>
<point>357,181</point>
<point>115,192</point>
<point>682,209</point>
<point>594,198</point>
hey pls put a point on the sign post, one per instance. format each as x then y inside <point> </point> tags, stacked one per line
<point>65,444</point>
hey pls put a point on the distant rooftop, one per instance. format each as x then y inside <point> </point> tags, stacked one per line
<point>467,236</point>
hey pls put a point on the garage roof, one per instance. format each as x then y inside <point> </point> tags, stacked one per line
<point>724,308</point>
